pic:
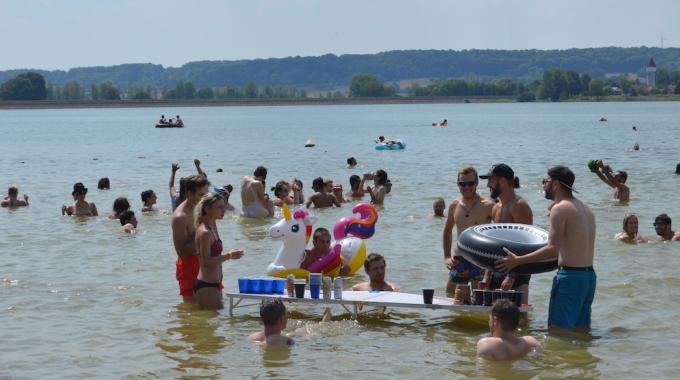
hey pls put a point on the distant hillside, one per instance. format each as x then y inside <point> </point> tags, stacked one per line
<point>329,71</point>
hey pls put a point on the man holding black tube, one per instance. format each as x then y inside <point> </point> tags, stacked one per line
<point>572,240</point>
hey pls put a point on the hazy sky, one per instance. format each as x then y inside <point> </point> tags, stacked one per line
<point>62,34</point>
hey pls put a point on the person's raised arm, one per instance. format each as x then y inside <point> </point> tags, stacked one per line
<point>180,238</point>
<point>25,200</point>
<point>197,162</point>
<point>447,236</point>
<point>171,183</point>
<point>603,173</point>
<point>258,188</point>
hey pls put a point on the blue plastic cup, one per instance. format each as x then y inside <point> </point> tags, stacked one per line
<point>243,285</point>
<point>255,285</point>
<point>314,290</point>
<point>315,278</point>
<point>279,285</point>
<point>267,286</point>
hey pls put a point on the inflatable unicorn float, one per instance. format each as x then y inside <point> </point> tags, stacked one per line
<point>296,229</point>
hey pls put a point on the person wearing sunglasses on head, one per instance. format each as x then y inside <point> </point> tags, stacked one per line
<point>662,226</point>
<point>468,209</point>
<point>510,208</point>
<point>80,207</point>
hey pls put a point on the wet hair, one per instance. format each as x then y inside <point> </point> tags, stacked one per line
<point>271,311</point>
<point>515,182</point>
<point>260,171</point>
<point>146,194</point>
<point>229,188</point>
<point>13,190</point>
<point>622,174</point>
<point>120,204</point>
<point>182,191</point>
<point>205,202</point>
<point>663,218</point>
<point>626,218</point>
<point>351,161</point>
<point>298,182</point>
<point>318,184</point>
<point>126,216</point>
<point>280,188</point>
<point>104,184</point>
<point>354,181</point>
<point>507,313</point>
<point>381,177</point>
<point>677,168</point>
<point>439,199</point>
<point>468,170</point>
<point>194,182</point>
<point>320,231</point>
<point>371,258</point>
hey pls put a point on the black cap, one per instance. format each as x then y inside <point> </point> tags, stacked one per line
<point>563,175</point>
<point>78,187</point>
<point>500,170</point>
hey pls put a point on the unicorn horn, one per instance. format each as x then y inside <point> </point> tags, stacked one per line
<point>286,212</point>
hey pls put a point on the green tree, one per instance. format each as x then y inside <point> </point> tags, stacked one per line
<point>94,92</point>
<point>206,93</point>
<point>28,86</point>
<point>596,87</point>
<point>366,85</point>
<point>250,91</point>
<point>107,91</point>
<point>585,83</point>
<point>572,82</point>
<point>73,91</point>
<point>554,85</point>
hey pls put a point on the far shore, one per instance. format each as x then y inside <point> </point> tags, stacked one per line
<point>55,104</point>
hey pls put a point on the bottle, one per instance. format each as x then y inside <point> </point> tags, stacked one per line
<point>327,287</point>
<point>337,288</point>
<point>290,285</point>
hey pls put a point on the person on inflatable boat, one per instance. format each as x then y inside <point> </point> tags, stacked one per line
<point>321,245</point>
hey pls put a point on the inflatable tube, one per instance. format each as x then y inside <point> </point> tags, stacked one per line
<point>353,251</point>
<point>398,145</point>
<point>483,245</point>
<point>169,126</point>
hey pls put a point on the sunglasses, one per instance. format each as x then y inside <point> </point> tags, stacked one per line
<point>544,181</point>
<point>467,183</point>
<point>658,224</point>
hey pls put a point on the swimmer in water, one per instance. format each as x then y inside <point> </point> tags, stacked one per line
<point>128,221</point>
<point>80,206</point>
<point>504,344</point>
<point>274,320</point>
<point>104,184</point>
<point>12,198</point>
<point>282,194</point>
<point>438,206</point>
<point>615,181</point>
<point>321,198</point>
<point>378,193</point>
<point>255,203</point>
<point>374,265</point>
<point>630,231</point>
<point>351,162</point>
<point>119,205</point>
<point>337,193</point>
<point>149,199</point>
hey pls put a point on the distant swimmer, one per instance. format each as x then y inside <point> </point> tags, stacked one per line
<point>274,320</point>
<point>322,198</point>
<point>12,198</point>
<point>128,221</point>
<point>636,146</point>
<point>390,142</point>
<point>179,122</point>
<point>442,123</point>
<point>149,199</point>
<point>80,206</point>
<point>119,205</point>
<point>616,181</point>
<point>438,207</point>
<point>379,191</point>
<point>208,245</point>
<point>282,194</point>
<point>504,344</point>
<point>351,162</point>
<point>630,231</point>
<point>662,226</point>
<point>374,265</point>
<point>256,204</point>
<point>104,184</point>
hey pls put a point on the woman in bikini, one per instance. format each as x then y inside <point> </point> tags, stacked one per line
<point>80,207</point>
<point>208,286</point>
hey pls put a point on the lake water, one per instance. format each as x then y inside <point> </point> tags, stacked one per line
<point>78,299</point>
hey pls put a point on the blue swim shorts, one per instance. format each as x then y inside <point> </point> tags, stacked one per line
<point>464,271</point>
<point>571,298</point>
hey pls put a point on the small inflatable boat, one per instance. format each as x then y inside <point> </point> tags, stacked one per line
<point>169,126</point>
<point>393,145</point>
<point>483,245</point>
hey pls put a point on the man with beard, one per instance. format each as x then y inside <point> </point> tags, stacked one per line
<point>510,208</point>
<point>469,209</point>
<point>572,240</point>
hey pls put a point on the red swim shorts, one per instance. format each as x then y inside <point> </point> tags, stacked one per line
<point>186,274</point>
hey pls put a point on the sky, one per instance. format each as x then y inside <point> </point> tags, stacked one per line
<point>63,34</point>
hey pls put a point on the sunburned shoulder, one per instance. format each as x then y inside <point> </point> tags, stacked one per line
<point>676,237</point>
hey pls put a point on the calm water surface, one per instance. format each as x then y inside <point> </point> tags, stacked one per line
<point>78,299</point>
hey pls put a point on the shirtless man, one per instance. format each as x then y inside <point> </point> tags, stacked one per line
<point>356,184</point>
<point>469,209</point>
<point>321,245</point>
<point>80,207</point>
<point>256,203</point>
<point>616,181</point>
<point>337,193</point>
<point>321,198</point>
<point>149,199</point>
<point>12,199</point>
<point>509,209</point>
<point>128,221</point>
<point>274,319</point>
<point>378,193</point>
<point>662,226</point>
<point>374,265</point>
<point>504,344</point>
<point>572,240</point>
<point>187,264</point>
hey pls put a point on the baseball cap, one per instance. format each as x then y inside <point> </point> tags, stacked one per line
<point>563,175</point>
<point>499,170</point>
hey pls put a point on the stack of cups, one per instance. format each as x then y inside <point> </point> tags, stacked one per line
<point>315,284</point>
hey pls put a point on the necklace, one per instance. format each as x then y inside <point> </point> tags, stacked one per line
<point>467,210</point>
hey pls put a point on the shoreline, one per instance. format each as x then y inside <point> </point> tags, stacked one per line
<point>59,104</point>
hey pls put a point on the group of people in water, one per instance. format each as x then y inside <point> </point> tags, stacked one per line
<point>176,122</point>
<point>200,251</point>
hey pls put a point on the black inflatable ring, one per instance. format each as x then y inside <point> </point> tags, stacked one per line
<point>482,245</point>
